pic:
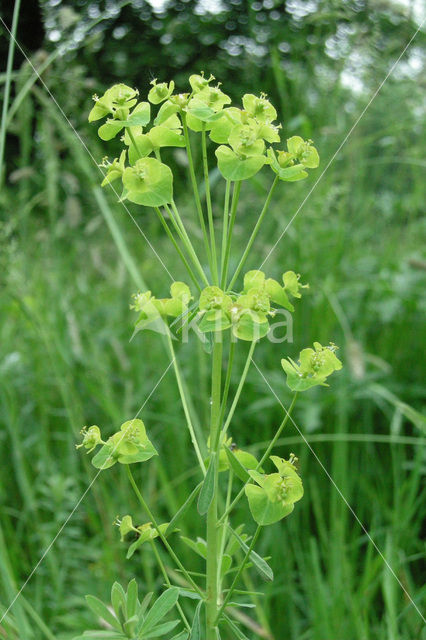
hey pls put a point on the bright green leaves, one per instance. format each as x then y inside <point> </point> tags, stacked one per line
<point>273,496</point>
<point>129,445</point>
<point>153,309</point>
<point>315,365</point>
<point>145,533</point>
<point>148,182</point>
<point>91,438</point>
<point>160,92</point>
<point>116,100</point>
<point>130,618</point>
<point>259,108</point>
<point>247,313</point>
<point>115,169</point>
<point>303,151</point>
<point>206,104</point>
<point>290,165</point>
<point>235,167</point>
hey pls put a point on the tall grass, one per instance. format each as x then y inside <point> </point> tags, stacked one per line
<point>71,257</point>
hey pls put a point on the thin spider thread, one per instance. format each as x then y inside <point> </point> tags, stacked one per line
<point>79,138</point>
<point>64,524</point>
<point>357,121</point>
<point>342,496</point>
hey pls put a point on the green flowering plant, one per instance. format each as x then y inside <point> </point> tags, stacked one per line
<point>228,311</point>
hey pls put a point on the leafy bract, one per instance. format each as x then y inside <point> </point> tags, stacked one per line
<point>148,182</point>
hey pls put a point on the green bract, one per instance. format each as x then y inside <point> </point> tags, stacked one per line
<point>91,438</point>
<point>290,165</point>
<point>160,92</point>
<point>151,309</point>
<point>236,167</point>
<point>118,99</point>
<point>127,446</point>
<point>148,182</point>
<point>315,365</point>
<point>247,313</point>
<point>259,108</point>
<point>274,495</point>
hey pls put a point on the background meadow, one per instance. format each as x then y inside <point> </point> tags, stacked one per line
<point>71,257</point>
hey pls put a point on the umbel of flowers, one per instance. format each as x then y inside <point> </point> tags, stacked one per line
<point>232,309</point>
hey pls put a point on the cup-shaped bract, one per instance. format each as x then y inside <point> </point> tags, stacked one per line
<point>149,182</point>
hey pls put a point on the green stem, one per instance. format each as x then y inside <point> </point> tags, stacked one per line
<point>234,205</point>
<point>223,532</point>
<point>262,460</point>
<point>185,405</point>
<point>254,233</point>
<point>227,380</point>
<point>239,572</point>
<point>6,95</point>
<point>215,274</point>
<point>168,583</point>
<point>188,242</point>
<point>238,392</point>
<point>195,190</point>
<point>176,246</point>
<point>225,227</point>
<point>212,531</point>
<point>160,533</point>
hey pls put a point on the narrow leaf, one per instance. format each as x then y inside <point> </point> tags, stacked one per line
<point>161,629</point>
<point>196,624</point>
<point>260,564</point>
<point>207,490</point>
<point>132,598</point>
<point>160,608</point>
<point>183,509</point>
<point>235,630</point>
<point>236,465</point>
<point>101,610</point>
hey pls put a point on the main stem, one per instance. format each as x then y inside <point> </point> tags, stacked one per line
<point>212,568</point>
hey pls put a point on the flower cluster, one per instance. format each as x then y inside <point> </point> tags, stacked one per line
<point>273,496</point>
<point>241,133</point>
<point>247,313</point>
<point>128,445</point>
<point>315,365</point>
<point>145,532</point>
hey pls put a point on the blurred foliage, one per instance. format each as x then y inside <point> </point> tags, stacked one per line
<point>70,258</point>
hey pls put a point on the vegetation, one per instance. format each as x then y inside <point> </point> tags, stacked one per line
<point>70,261</point>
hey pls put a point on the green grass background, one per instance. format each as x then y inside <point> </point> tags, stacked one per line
<point>70,259</point>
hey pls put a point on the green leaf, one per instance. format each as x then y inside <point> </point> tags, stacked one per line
<point>232,167</point>
<point>235,630</point>
<point>109,130</point>
<point>200,546</point>
<point>101,610</point>
<point>140,116</point>
<point>161,629</point>
<point>118,601</point>
<point>196,623</point>
<point>164,137</point>
<point>264,511</point>
<point>104,458</point>
<point>183,509</point>
<point>132,598</point>
<point>236,465</point>
<point>277,294</point>
<point>207,490</point>
<point>101,635</point>
<point>148,182</point>
<point>247,328</point>
<point>160,608</point>
<point>259,563</point>
<point>145,604</point>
